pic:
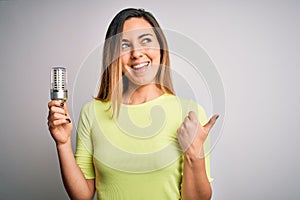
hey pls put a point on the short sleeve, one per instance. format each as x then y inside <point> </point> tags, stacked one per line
<point>84,147</point>
<point>190,105</point>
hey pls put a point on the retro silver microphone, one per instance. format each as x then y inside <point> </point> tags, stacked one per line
<point>58,83</point>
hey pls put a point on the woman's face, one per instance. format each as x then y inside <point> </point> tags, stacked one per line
<point>140,52</point>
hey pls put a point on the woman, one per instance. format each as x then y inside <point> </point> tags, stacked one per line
<point>126,147</point>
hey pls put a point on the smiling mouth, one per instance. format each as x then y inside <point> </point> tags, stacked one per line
<point>141,67</point>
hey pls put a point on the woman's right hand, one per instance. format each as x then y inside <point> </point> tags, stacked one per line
<point>59,122</point>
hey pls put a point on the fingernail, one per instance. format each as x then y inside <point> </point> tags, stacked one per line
<point>217,117</point>
<point>68,120</point>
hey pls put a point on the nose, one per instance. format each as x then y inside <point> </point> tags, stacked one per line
<point>136,53</point>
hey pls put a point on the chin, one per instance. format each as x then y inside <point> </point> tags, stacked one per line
<point>143,82</point>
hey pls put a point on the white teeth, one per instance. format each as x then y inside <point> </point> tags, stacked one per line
<point>140,65</point>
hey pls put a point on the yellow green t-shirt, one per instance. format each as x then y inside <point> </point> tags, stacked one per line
<point>135,155</point>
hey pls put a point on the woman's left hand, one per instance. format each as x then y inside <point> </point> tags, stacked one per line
<point>191,134</point>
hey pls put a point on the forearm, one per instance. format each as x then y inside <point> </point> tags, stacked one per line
<point>195,185</point>
<point>74,181</point>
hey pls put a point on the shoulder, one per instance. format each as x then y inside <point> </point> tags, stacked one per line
<point>187,104</point>
<point>90,111</point>
<point>87,107</point>
<point>95,109</point>
<point>94,104</point>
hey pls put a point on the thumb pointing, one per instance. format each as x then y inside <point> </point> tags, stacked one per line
<point>211,122</point>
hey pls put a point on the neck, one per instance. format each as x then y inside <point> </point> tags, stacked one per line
<point>141,94</point>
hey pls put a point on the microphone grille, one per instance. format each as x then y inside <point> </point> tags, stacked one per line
<point>58,85</point>
<point>59,78</point>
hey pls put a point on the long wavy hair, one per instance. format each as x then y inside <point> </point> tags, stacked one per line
<point>113,82</point>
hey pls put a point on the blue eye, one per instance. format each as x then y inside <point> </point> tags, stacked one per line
<point>125,45</point>
<point>146,40</point>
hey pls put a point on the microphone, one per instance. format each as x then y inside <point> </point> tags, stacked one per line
<point>58,83</point>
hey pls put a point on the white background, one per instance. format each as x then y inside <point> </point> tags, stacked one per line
<point>255,46</point>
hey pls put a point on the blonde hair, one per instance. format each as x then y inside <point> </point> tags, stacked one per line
<point>113,84</point>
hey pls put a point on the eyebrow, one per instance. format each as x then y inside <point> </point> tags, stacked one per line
<point>145,34</point>
<point>141,36</point>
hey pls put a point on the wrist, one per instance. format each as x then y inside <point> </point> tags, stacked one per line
<point>67,144</point>
<point>195,152</point>
<point>194,163</point>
